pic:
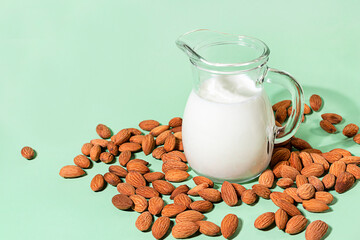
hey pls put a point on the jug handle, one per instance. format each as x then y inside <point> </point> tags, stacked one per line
<point>297,97</point>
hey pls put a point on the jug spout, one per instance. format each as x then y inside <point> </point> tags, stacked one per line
<point>222,52</point>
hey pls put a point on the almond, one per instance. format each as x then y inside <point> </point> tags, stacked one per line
<point>344,182</point>
<point>292,192</point>
<point>316,230</point>
<point>350,130</point>
<point>289,172</point>
<point>295,161</point>
<point>71,171</point>
<point>137,139</point>
<point>122,202</point>
<point>148,144</point>
<point>229,225</point>
<point>176,175</point>
<point>285,182</point>
<point>284,103</point>
<point>160,140</point>
<point>118,170</point>
<point>175,122</point>
<point>274,196</point>
<point>354,170</point>
<point>101,142</point>
<point>163,187</point>
<point>103,131</point>
<point>165,157</point>
<point>265,220</point>
<point>178,135</point>
<point>327,126</point>
<point>312,150</point>
<point>95,152</point>
<point>27,152</point>
<point>137,167</point>
<point>202,206</point>
<point>183,199</point>
<point>158,130</point>
<point>357,138</point>
<point>317,158</point>
<point>160,227</point>
<point>299,143</point>
<point>195,191</point>
<point>281,114</point>
<point>228,194</point>
<point>176,129</point>
<point>329,181</point>
<point>337,168</point>
<point>148,125</point>
<point>287,207</point>
<point>259,190</point>
<point>124,158</point>
<point>152,176</point>
<point>158,152</point>
<point>156,204</point>
<point>249,196</point>
<point>277,169</point>
<point>332,117</point>
<point>184,229</point>
<point>171,210</point>
<point>126,189</point>
<point>121,137</point>
<point>179,154</point>
<point>112,179</point>
<point>239,189</point>
<point>208,228</point>
<point>267,178</point>
<point>326,197</point>
<point>180,189</point>
<point>144,221</point>
<point>281,218</point>
<point>210,194</point>
<point>85,149</point>
<point>135,179</point>
<point>97,183</point>
<point>300,180</point>
<point>313,169</point>
<point>106,157</point>
<point>113,148</point>
<point>140,203</point>
<point>282,154</point>
<point>147,192</point>
<point>307,109</point>
<point>350,160</point>
<point>189,216</point>
<point>201,179</point>
<point>306,191</point>
<point>82,161</point>
<point>130,146</point>
<point>315,102</point>
<point>305,159</point>
<point>316,182</point>
<point>315,205</point>
<point>174,164</point>
<point>296,224</point>
<point>137,160</point>
<point>170,142</point>
<point>134,131</point>
<point>332,157</point>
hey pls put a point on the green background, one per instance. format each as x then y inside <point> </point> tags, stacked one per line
<point>66,66</point>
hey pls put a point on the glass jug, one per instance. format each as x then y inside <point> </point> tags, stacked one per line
<point>228,127</point>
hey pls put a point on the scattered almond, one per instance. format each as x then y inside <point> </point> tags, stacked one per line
<point>189,216</point>
<point>112,179</point>
<point>122,202</point>
<point>315,205</point>
<point>229,225</point>
<point>202,206</point>
<point>267,178</point>
<point>28,153</point>
<point>160,227</point>
<point>332,117</point>
<point>210,194</point>
<point>148,125</point>
<point>296,224</point>
<point>249,196</point>
<point>171,210</point>
<point>184,229</point>
<point>326,197</point>
<point>208,228</point>
<point>327,126</point>
<point>95,152</point>
<point>183,199</point>
<point>144,221</point>
<point>265,220</point>
<point>103,131</point>
<point>316,230</point>
<point>228,194</point>
<point>82,161</point>
<point>176,175</point>
<point>156,204</point>
<point>315,102</point>
<point>140,203</point>
<point>350,130</point>
<point>281,218</point>
<point>344,182</point>
<point>201,179</point>
<point>126,189</point>
<point>97,183</point>
<point>135,179</point>
<point>71,171</point>
<point>329,181</point>
<point>147,192</point>
<point>260,190</point>
<point>148,144</point>
<point>306,191</point>
<point>180,189</point>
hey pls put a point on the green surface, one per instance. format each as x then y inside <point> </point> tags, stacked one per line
<point>66,66</point>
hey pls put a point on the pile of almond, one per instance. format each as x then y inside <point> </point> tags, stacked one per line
<point>295,166</point>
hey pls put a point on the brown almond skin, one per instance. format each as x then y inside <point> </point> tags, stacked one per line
<point>327,126</point>
<point>306,191</point>
<point>158,130</point>
<point>121,137</point>
<point>337,168</point>
<point>160,140</point>
<point>267,178</point>
<point>97,183</point>
<point>170,142</point>
<point>160,227</point>
<point>180,189</point>
<point>281,218</point>
<point>144,221</point>
<point>101,142</point>
<point>118,170</point>
<point>292,192</point>
<point>229,225</point>
<point>350,130</point>
<point>332,157</point>
<point>85,149</point>
<point>326,197</point>
<point>28,153</point>
<point>210,194</point>
<point>317,158</point>
<point>208,228</point>
<point>287,207</point>
<point>354,170</point>
<point>283,103</point>
<point>124,158</point>
<point>71,171</point>
<point>344,182</point>
<point>82,161</point>
<point>95,152</point>
<point>129,146</point>
<point>189,216</point>
<point>126,189</point>
<point>306,159</point>
<point>265,220</point>
<point>296,224</point>
<point>289,172</point>
<point>152,176</point>
<point>137,139</point>
<point>285,182</point>
<point>201,179</point>
<point>148,144</point>
<point>228,194</point>
<point>156,204</point>
<point>202,206</point>
<point>175,122</point>
<point>103,131</point>
<point>183,199</point>
<point>195,190</point>
<point>282,154</point>
<point>313,169</point>
<point>315,102</point>
<point>300,144</point>
<point>171,210</point>
<point>135,179</point>
<point>138,167</point>
<point>122,202</point>
<point>281,114</point>
<point>106,157</point>
<point>317,183</point>
<point>329,181</point>
<point>300,180</point>
<point>239,189</point>
<point>295,161</point>
<point>140,203</point>
<point>158,152</point>
<point>112,148</point>
<point>184,229</point>
<point>176,175</point>
<point>357,138</point>
<point>332,117</point>
<point>112,179</point>
<point>274,196</point>
<point>315,205</point>
<point>163,187</point>
<point>261,191</point>
<point>134,131</point>
<point>249,196</point>
<point>148,125</point>
<point>316,230</point>
<point>147,192</point>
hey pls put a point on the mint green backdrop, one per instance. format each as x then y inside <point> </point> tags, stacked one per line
<point>66,66</point>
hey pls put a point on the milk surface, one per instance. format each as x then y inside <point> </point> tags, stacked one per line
<point>228,129</point>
